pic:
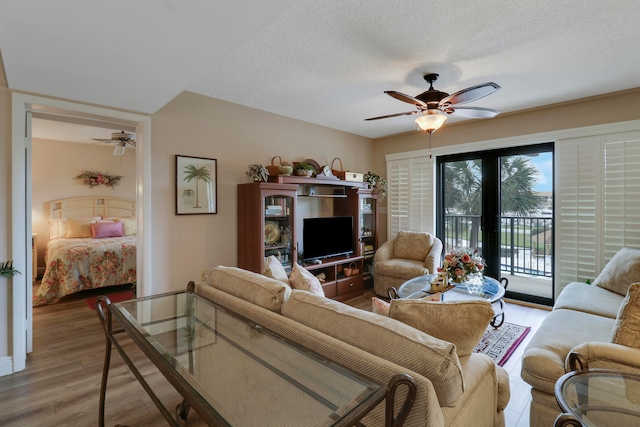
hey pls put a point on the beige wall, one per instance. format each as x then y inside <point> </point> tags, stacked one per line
<point>194,125</point>
<point>55,163</point>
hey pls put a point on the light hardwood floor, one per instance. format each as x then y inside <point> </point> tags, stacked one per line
<point>60,386</point>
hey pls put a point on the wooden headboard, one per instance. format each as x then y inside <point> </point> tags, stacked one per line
<point>79,207</point>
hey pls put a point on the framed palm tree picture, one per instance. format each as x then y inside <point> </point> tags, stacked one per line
<point>196,185</point>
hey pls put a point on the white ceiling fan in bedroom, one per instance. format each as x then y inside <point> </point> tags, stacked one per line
<point>122,140</point>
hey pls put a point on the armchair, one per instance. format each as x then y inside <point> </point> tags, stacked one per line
<point>410,254</point>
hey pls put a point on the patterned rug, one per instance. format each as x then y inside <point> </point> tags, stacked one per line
<point>114,297</point>
<point>499,344</point>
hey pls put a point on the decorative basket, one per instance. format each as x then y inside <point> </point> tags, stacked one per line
<point>274,169</point>
<point>352,270</point>
<point>338,172</point>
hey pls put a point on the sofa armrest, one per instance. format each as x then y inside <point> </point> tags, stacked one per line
<point>432,262</point>
<point>384,252</point>
<point>603,355</point>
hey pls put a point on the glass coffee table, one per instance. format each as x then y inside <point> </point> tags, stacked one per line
<point>232,371</point>
<point>491,291</point>
<point>598,397</point>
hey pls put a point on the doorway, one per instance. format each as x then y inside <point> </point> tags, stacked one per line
<point>500,202</point>
<point>21,239</point>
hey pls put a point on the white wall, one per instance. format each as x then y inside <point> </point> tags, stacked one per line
<point>56,163</point>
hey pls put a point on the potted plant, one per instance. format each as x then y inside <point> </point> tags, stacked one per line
<point>7,270</point>
<point>377,182</point>
<point>304,169</point>
<point>258,173</point>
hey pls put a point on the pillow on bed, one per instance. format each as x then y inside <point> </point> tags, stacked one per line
<point>100,230</point>
<point>79,227</point>
<point>57,228</point>
<point>129,225</point>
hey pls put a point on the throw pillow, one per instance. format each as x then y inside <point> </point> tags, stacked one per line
<point>274,269</point>
<point>129,225</point>
<point>379,306</point>
<point>79,228</point>
<point>58,228</point>
<point>100,230</point>
<point>627,328</point>
<point>620,272</point>
<point>303,280</point>
<point>460,322</point>
<point>412,245</point>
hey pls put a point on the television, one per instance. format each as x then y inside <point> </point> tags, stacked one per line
<point>327,236</point>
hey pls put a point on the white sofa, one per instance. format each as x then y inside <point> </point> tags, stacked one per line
<point>451,390</point>
<point>587,325</point>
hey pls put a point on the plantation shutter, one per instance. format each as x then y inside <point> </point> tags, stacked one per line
<point>597,202</point>
<point>410,202</point>
<point>621,192</point>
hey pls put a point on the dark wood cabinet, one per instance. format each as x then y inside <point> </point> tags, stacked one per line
<point>267,217</point>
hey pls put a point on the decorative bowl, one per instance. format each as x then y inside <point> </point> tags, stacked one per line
<point>303,172</point>
<point>286,170</point>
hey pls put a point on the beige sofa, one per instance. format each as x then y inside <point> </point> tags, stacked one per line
<point>410,254</point>
<point>451,390</point>
<point>588,322</point>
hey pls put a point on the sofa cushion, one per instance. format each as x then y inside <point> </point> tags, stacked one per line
<point>620,272</point>
<point>460,322</point>
<point>249,286</point>
<point>627,328</point>
<point>379,306</point>
<point>590,299</point>
<point>384,337</point>
<point>303,280</point>
<point>412,245</point>
<point>274,269</point>
<point>401,268</point>
<point>543,361</point>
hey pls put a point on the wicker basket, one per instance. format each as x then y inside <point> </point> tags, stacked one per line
<point>274,169</point>
<point>338,172</point>
<point>352,270</point>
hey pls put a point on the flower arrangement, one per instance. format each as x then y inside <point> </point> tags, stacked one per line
<point>93,179</point>
<point>258,173</point>
<point>377,182</point>
<point>460,262</point>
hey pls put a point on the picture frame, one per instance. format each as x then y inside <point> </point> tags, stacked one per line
<point>196,185</point>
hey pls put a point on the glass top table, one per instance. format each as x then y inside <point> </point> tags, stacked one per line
<point>232,371</point>
<point>598,397</point>
<point>491,291</point>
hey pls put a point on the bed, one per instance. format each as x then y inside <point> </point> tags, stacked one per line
<point>92,244</point>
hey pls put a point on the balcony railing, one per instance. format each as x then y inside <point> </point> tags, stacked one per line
<point>526,242</point>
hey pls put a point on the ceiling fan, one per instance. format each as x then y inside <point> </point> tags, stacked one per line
<point>122,139</point>
<point>434,105</point>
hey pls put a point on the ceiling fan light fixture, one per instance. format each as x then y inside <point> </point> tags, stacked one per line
<point>431,120</point>
<point>118,150</point>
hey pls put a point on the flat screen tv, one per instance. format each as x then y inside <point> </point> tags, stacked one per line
<point>326,237</point>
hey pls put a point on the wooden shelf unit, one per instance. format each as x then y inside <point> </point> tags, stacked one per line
<point>349,198</point>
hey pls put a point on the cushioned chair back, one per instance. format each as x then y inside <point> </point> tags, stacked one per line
<point>412,245</point>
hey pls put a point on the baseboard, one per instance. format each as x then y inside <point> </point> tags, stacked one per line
<point>6,365</point>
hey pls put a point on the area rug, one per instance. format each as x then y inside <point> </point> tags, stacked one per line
<point>499,344</point>
<point>114,297</point>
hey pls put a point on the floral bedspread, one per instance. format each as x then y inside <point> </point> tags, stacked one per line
<point>74,265</point>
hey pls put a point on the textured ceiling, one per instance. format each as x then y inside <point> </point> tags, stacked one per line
<point>321,61</point>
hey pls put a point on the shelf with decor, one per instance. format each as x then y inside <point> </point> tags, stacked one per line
<point>266,213</point>
<point>341,277</point>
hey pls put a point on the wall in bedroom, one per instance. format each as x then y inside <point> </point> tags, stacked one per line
<point>56,163</point>
<point>194,125</point>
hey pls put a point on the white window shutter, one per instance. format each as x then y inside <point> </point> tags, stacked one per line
<point>410,194</point>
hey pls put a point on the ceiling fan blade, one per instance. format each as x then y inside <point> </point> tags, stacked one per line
<point>469,94</point>
<point>102,140</point>
<point>406,98</point>
<point>409,113</point>
<point>472,112</point>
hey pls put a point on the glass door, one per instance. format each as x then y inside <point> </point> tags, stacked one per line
<point>500,202</point>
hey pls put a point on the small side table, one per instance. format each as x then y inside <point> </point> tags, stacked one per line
<point>598,397</point>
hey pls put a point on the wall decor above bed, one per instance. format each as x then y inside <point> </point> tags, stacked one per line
<point>93,178</point>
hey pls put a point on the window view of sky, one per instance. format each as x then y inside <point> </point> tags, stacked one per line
<point>544,163</point>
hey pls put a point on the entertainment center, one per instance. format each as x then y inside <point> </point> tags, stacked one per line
<point>292,215</point>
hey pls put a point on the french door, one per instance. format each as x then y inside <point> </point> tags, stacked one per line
<point>500,202</point>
